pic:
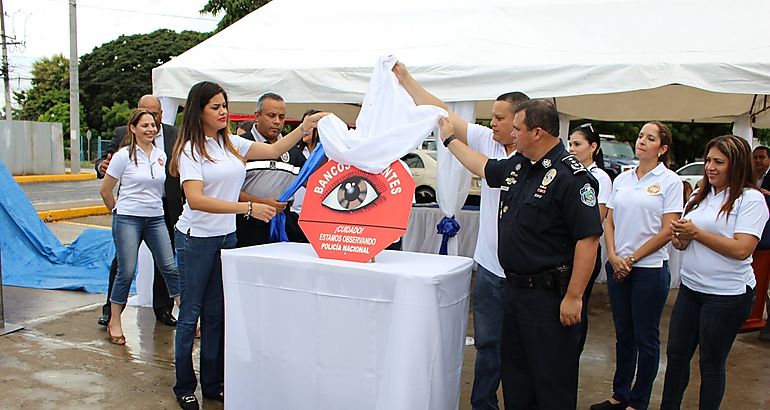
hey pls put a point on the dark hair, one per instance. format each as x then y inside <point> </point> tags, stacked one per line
<point>593,137</point>
<point>246,125</point>
<point>739,176</point>
<point>664,133</point>
<point>514,98</point>
<point>540,113</point>
<point>266,96</point>
<point>192,129</point>
<point>762,147</point>
<point>130,138</point>
<point>301,144</point>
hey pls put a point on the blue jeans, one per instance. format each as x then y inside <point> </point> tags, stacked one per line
<point>488,312</point>
<point>128,233</point>
<point>637,305</point>
<point>200,280</point>
<point>708,321</point>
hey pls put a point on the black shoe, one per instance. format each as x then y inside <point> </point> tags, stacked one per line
<point>188,402</point>
<point>166,318</point>
<point>608,405</point>
<point>104,320</point>
<point>218,397</point>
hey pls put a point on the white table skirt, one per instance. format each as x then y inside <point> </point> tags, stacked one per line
<point>310,333</point>
<point>421,233</point>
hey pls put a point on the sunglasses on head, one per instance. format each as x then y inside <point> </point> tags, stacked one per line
<point>588,126</point>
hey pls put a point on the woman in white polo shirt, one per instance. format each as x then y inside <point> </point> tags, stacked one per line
<point>137,215</point>
<point>643,204</point>
<point>585,145</point>
<point>211,165</point>
<point>718,233</point>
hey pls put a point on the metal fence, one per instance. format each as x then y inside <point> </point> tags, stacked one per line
<point>31,147</point>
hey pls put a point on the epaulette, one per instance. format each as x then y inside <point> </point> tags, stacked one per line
<point>574,164</point>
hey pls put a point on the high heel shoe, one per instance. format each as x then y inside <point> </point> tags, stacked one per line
<point>116,340</point>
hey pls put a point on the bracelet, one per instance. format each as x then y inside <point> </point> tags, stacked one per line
<point>248,211</point>
<point>448,140</point>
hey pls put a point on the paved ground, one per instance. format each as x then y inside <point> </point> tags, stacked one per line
<point>62,359</point>
<point>45,196</point>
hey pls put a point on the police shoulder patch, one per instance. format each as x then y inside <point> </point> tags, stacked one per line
<point>574,164</point>
<point>588,195</point>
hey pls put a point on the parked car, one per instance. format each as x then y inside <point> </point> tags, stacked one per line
<point>692,173</point>
<point>423,164</point>
<point>618,156</point>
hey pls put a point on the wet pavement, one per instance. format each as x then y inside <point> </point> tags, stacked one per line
<point>63,360</point>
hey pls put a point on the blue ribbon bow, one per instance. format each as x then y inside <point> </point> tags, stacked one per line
<point>448,227</point>
<point>278,223</point>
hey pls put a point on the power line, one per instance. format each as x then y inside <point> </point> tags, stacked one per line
<point>145,13</point>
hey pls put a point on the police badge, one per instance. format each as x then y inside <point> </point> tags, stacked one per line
<point>587,195</point>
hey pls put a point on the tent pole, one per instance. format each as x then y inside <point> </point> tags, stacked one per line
<point>5,328</point>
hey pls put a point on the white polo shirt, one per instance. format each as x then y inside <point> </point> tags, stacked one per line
<point>222,179</point>
<point>638,206</point>
<point>141,183</point>
<point>480,139</point>
<point>605,183</point>
<point>705,270</point>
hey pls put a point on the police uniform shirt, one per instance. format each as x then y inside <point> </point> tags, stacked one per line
<point>545,208</point>
<point>270,178</point>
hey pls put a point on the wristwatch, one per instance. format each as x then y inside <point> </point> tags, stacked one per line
<point>448,140</point>
<point>633,260</point>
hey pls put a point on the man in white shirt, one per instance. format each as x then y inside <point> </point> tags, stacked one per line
<point>488,287</point>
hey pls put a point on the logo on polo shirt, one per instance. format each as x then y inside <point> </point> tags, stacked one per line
<point>653,189</point>
<point>160,161</point>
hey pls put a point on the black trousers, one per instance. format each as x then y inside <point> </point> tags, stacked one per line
<point>161,302</point>
<point>587,297</point>
<point>540,357</point>
<point>252,231</point>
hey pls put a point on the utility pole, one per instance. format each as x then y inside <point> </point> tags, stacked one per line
<point>74,92</point>
<point>6,79</point>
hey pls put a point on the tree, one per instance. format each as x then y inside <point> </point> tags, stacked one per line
<point>234,10</point>
<point>121,70</point>
<point>116,116</point>
<point>50,86</point>
<point>61,113</point>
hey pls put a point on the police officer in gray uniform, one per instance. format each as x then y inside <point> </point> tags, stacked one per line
<point>549,230</point>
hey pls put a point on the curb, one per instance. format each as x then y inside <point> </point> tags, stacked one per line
<point>31,179</point>
<point>70,213</point>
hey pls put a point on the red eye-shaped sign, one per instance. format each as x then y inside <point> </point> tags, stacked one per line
<point>352,215</point>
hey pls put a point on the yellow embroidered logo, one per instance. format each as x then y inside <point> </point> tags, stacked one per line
<point>653,189</point>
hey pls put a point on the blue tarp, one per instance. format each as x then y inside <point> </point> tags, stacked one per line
<point>33,257</point>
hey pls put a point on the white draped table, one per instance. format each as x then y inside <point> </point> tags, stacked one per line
<point>421,233</point>
<point>308,333</point>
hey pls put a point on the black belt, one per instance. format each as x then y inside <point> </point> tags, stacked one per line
<point>543,280</point>
<point>554,278</point>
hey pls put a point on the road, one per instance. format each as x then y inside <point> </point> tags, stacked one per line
<point>61,195</point>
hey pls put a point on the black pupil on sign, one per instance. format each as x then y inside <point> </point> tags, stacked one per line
<point>352,192</point>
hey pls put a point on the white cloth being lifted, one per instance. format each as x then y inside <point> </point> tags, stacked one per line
<point>388,127</point>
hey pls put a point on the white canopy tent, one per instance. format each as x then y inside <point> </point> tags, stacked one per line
<point>619,60</point>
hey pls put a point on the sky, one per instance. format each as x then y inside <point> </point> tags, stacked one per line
<point>42,27</point>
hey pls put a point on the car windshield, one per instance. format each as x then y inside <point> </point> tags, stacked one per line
<point>617,149</point>
<point>694,169</point>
